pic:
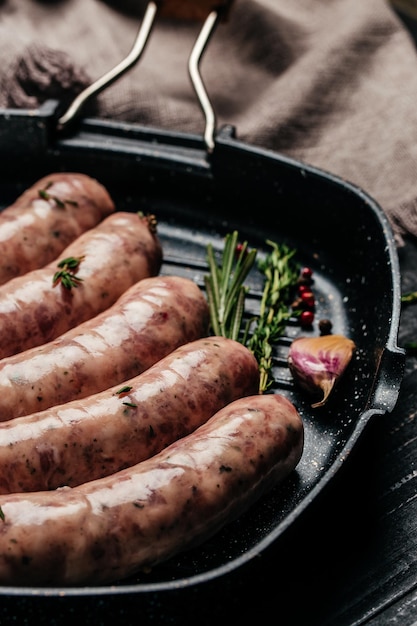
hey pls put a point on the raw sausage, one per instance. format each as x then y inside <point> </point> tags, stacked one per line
<point>148,321</point>
<point>46,218</point>
<point>114,255</point>
<point>108,431</point>
<point>34,309</point>
<point>108,529</point>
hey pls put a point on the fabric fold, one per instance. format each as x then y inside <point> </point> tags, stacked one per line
<point>329,83</point>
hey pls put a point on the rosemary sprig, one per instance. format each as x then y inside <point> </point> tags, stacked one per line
<point>226,293</point>
<point>281,274</point>
<point>66,274</point>
<point>225,286</point>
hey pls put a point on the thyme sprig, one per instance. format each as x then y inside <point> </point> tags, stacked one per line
<point>66,274</point>
<point>281,274</point>
<point>226,295</point>
<point>225,287</point>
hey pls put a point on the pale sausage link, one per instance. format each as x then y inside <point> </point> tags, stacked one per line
<point>116,428</point>
<point>108,529</point>
<point>148,321</point>
<point>121,250</point>
<point>46,218</point>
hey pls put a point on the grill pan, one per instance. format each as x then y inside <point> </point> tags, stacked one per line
<point>199,192</point>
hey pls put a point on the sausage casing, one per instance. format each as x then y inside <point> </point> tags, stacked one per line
<point>92,437</point>
<point>147,322</point>
<point>108,529</point>
<point>121,250</point>
<point>46,218</point>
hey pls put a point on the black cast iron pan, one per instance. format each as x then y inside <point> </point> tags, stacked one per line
<point>200,193</point>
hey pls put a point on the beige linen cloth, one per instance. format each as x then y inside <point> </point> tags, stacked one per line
<point>332,83</point>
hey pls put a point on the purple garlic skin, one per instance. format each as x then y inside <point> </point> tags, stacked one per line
<point>317,363</point>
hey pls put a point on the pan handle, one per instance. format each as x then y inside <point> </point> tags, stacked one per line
<point>390,372</point>
<point>115,73</point>
<point>178,9</point>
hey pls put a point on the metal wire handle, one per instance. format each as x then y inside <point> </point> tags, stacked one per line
<point>133,57</point>
<point>194,71</point>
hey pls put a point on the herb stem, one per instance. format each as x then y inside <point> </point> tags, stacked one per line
<point>225,287</point>
<point>226,296</point>
<point>45,195</point>
<point>409,298</point>
<point>280,276</point>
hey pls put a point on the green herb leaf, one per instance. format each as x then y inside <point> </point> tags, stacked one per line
<point>66,275</point>
<point>124,389</point>
<point>281,274</point>
<point>226,295</point>
<point>409,298</point>
<point>45,195</point>
<point>225,286</point>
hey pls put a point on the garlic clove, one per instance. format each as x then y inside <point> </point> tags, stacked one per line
<point>317,363</point>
